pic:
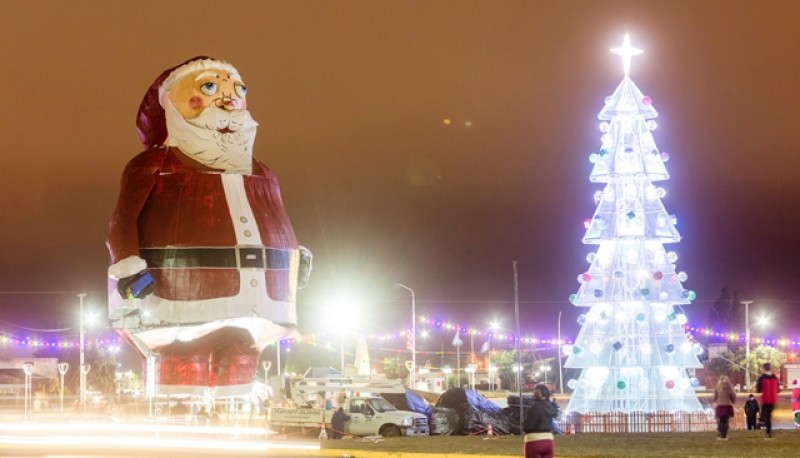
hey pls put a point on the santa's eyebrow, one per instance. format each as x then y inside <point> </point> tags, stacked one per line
<point>213,74</point>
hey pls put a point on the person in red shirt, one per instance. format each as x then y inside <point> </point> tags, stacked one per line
<point>768,385</point>
<point>796,402</point>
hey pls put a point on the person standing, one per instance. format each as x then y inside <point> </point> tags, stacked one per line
<point>751,409</point>
<point>724,398</point>
<point>768,385</point>
<point>337,423</point>
<point>796,402</point>
<point>537,426</point>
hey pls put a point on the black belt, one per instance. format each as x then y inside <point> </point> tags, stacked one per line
<point>251,257</point>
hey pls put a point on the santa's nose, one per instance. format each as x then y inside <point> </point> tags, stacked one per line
<point>229,103</point>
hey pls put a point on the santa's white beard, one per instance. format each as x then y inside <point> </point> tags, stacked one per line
<point>200,139</point>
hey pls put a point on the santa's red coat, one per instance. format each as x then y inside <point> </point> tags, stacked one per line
<point>168,201</point>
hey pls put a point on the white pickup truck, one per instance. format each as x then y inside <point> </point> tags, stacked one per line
<point>369,416</point>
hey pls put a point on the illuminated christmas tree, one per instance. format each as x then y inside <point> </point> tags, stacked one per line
<point>632,346</point>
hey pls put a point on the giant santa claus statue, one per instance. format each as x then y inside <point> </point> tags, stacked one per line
<point>205,264</point>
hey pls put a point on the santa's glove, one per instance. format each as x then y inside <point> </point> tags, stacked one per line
<point>304,272</point>
<point>137,286</point>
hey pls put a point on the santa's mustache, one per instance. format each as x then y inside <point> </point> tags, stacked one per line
<point>213,118</point>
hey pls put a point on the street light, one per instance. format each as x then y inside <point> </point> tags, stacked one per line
<point>266,365</point>
<point>494,326</point>
<point>747,342</point>
<point>27,367</point>
<point>560,355</point>
<point>278,356</point>
<point>84,371</point>
<point>470,370</point>
<point>81,296</point>
<point>447,370</point>
<point>62,369</point>
<point>517,374</point>
<point>412,377</point>
<point>545,368</point>
<point>343,314</point>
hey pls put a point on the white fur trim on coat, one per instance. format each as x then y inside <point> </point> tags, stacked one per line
<point>131,265</point>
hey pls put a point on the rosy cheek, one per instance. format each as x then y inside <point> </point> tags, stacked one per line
<point>196,103</point>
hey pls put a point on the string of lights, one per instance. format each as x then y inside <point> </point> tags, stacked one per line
<point>435,325</point>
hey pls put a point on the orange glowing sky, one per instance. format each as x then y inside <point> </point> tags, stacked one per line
<point>418,141</point>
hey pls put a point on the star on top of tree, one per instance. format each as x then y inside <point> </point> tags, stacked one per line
<point>626,51</point>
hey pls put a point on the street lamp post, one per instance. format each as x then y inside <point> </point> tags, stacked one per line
<point>341,352</point>
<point>27,368</point>
<point>470,370</point>
<point>412,377</point>
<point>545,368</point>
<point>447,370</point>
<point>82,375</point>
<point>84,370</point>
<point>266,365</point>
<point>560,369</point>
<point>278,357</point>
<point>62,370</point>
<point>491,371</point>
<point>747,342</point>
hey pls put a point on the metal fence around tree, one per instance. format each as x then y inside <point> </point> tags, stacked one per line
<point>645,422</point>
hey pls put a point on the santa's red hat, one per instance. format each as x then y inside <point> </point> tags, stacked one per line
<point>150,120</point>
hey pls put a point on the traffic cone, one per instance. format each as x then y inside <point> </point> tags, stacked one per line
<point>323,434</point>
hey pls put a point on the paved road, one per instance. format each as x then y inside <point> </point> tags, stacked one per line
<point>142,439</point>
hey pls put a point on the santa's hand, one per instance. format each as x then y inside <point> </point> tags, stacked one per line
<point>137,286</point>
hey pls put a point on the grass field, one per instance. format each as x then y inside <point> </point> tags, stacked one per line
<point>750,444</point>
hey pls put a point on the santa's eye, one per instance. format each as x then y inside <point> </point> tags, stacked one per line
<point>209,88</point>
<point>241,89</point>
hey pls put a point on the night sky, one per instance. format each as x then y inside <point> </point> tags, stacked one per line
<point>425,142</point>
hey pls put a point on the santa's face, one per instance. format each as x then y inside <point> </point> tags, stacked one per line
<point>207,120</point>
<point>198,90</point>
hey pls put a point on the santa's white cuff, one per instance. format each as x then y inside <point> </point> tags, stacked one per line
<point>131,265</point>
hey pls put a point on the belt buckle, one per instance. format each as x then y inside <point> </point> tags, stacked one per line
<point>250,257</point>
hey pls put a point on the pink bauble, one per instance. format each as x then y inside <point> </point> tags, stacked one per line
<point>647,100</point>
<point>670,384</point>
